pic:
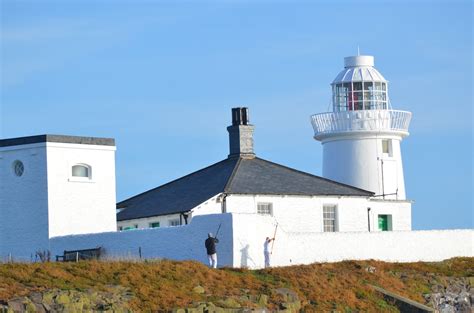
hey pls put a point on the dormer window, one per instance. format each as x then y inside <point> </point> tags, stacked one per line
<point>81,171</point>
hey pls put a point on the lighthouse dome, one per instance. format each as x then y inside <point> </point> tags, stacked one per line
<point>359,86</point>
<point>359,68</point>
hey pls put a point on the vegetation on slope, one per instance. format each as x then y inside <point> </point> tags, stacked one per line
<point>343,286</point>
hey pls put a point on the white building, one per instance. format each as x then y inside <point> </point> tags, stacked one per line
<point>361,136</point>
<point>244,183</point>
<point>58,193</point>
<point>54,186</point>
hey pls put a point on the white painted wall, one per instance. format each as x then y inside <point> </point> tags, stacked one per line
<point>242,237</point>
<point>46,201</point>
<point>178,243</point>
<point>143,223</point>
<point>23,202</point>
<point>291,248</point>
<point>211,206</point>
<point>356,159</point>
<point>81,206</point>
<point>305,213</point>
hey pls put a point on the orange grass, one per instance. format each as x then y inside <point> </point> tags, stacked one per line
<point>342,286</point>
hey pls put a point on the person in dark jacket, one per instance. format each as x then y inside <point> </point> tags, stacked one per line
<point>210,244</point>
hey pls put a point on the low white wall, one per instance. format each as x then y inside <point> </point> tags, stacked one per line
<point>292,248</point>
<point>178,243</point>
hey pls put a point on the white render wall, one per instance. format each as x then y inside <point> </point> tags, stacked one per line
<point>178,243</point>
<point>291,248</point>
<point>242,237</point>
<point>211,206</point>
<point>76,205</point>
<point>145,222</point>
<point>23,202</point>
<point>46,201</point>
<point>356,160</point>
<point>305,213</point>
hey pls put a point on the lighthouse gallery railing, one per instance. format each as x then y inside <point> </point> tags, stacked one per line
<point>363,120</point>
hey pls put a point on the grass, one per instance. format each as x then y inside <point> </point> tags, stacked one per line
<point>343,286</point>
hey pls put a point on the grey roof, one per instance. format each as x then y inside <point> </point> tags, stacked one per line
<point>230,176</point>
<point>57,138</point>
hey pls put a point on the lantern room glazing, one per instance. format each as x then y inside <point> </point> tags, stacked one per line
<point>359,86</point>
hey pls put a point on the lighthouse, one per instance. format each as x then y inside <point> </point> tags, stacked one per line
<point>361,136</point>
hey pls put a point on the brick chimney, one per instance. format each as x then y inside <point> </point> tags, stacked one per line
<point>241,134</point>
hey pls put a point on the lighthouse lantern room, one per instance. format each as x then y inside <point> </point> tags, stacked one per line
<point>361,136</point>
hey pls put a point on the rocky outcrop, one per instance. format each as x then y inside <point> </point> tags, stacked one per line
<point>452,295</point>
<point>289,303</point>
<point>114,300</point>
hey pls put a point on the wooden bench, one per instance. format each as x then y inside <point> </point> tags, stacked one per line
<point>76,255</point>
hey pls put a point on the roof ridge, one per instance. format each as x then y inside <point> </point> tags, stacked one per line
<point>231,177</point>
<point>170,182</point>
<point>316,176</point>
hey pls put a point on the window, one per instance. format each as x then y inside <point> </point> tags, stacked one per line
<point>387,146</point>
<point>174,222</point>
<point>155,225</point>
<point>18,168</point>
<point>265,208</point>
<point>81,171</point>
<point>359,96</point>
<point>329,218</point>
<point>131,227</point>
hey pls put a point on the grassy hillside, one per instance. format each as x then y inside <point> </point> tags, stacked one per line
<point>342,286</point>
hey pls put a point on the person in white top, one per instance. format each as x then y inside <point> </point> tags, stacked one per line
<point>266,250</point>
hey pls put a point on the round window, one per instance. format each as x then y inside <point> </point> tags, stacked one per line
<point>18,168</point>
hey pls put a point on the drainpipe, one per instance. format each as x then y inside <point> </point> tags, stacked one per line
<point>368,218</point>
<point>185,216</point>
<point>224,203</point>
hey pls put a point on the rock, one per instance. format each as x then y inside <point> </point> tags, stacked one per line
<point>36,297</point>
<point>288,294</point>
<point>446,308</point>
<point>39,308</point>
<point>244,298</point>
<point>292,307</point>
<point>230,303</point>
<point>48,297</point>
<point>62,299</point>
<point>370,269</point>
<point>199,289</point>
<point>16,305</point>
<point>262,300</point>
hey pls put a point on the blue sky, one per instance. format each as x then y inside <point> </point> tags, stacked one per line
<point>161,78</point>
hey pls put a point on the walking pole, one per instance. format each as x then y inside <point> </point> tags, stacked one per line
<point>274,236</point>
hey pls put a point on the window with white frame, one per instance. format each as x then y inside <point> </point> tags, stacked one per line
<point>265,208</point>
<point>174,222</point>
<point>387,147</point>
<point>329,218</point>
<point>81,170</point>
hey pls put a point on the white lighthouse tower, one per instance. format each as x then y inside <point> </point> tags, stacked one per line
<point>361,136</point>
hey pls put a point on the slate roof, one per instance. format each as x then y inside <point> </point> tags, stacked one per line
<point>230,176</point>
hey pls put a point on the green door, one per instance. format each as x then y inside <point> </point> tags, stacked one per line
<point>383,222</point>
